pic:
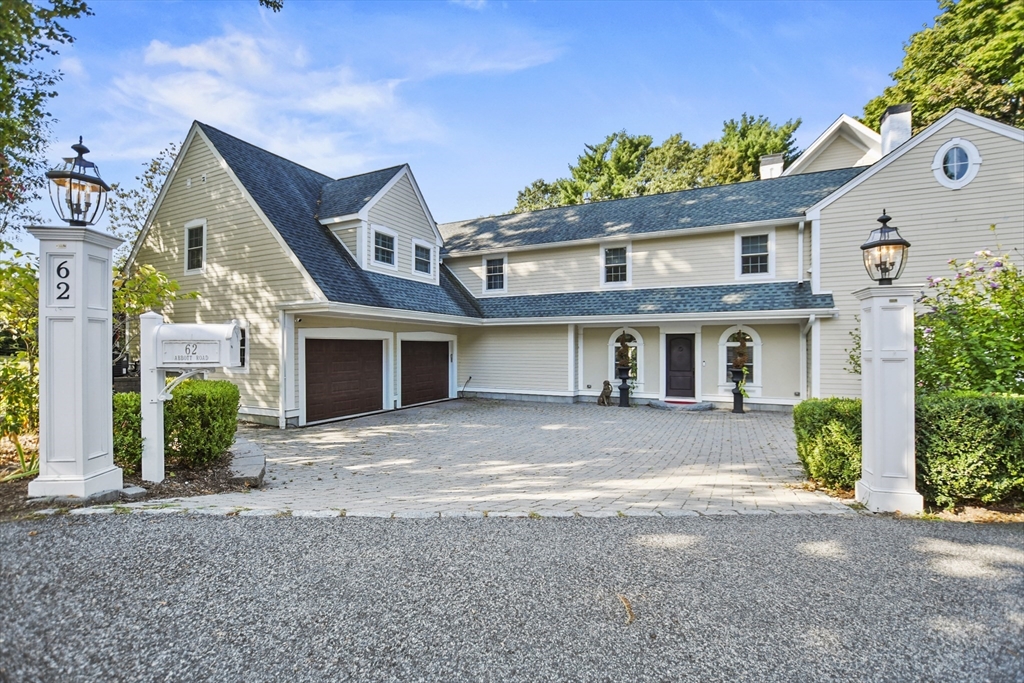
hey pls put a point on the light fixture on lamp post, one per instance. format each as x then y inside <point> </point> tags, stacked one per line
<point>77,191</point>
<point>885,252</point>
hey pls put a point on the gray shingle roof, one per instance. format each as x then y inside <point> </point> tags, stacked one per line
<point>764,296</point>
<point>287,193</point>
<point>347,196</point>
<point>757,200</point>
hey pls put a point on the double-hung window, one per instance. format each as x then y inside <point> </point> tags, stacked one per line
<point>615,265</point>
<point>422,258</point>
<point>384,248</point>
<point>494,274</point>
<point>754,254</point>
<point>195,246</point>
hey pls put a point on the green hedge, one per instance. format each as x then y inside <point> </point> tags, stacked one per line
<point>970,446</point>
<point>828,440</point>
<point>199,424</point>
<point>128,431</point>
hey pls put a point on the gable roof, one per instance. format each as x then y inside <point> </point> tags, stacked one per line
<point>845,127</point>
<point>288,193</point>
<point>347,196</point>
<point>756,200</point>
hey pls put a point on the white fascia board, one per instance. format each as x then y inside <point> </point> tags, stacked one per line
<point>163,193</point>
<point>635,237</point>
<point>373,313</point>
<point>310,283</point>
<point>814,212</point>
<point>339,219</point>
<point>364,213</point>
<point>859,134</point>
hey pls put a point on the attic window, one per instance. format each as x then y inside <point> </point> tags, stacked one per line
<point>956,163</point>
<point>195,246</point>
<point>422,257</point>
<point>383,248</point>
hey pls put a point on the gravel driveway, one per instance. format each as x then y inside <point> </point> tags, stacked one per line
<point>508,458</point>
<point>718,598</point>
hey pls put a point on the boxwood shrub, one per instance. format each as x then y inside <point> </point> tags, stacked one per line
<point>970,446</point>
<point>199,424</point>
<point>828,440</point>
<point>128,431</point>
<point>200,421</point>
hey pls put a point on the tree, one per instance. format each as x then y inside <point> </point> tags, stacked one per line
<point>625,165</point>
<point>128,209</point>
<point>28,33</point>
<point>972,57</point>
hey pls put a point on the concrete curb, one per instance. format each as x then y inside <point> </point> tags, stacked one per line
<point>248,463</point>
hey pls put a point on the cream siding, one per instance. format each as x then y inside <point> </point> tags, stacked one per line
<point>779,368</point>
<point>349,236</point>
<point>939,223</point>
<point>840,153</point>
<point>247,272</point>
<point>400,210</point>
<point>516,359</point>
<point>786,253</point>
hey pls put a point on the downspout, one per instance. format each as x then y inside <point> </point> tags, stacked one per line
<point>800,254</point>
<point>282,374</point>
<point>804,392</point>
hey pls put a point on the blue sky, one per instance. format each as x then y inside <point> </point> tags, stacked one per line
<point>481,98</point>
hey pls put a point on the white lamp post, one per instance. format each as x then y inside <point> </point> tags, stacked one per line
<point>887,482</point>
<point>76,442</point>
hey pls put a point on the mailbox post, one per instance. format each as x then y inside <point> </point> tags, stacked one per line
<point>187,348</point>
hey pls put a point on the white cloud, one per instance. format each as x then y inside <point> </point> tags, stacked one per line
<point>471,4</point>
<point>72,66</point>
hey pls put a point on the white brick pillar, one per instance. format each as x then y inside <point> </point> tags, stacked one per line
<point>887,482</point>
<point>76,437</point>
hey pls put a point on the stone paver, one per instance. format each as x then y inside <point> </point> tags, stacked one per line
<point>517,459</point>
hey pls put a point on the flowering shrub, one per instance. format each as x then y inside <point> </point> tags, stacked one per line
<point>971,334</point>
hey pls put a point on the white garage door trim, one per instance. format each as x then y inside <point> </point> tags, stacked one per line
<point>345,333</point>
<point>453,363</point>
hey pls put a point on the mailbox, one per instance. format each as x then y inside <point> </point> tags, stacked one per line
<point>186,345</point>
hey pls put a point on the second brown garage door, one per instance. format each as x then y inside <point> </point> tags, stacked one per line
<point>343,377</point>
<point>424,372</point>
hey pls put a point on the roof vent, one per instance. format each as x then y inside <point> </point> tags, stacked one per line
<point>895,127</point>
<point>772,165</point>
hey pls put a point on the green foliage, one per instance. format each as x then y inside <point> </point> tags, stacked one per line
<point>29,32</point>
<point>145,289</point>
<point>128,431</point>
<point>625,165</point>
<point>971,337</point>
<point>127,209</point>
<point>200,421</point>
<point>972,57</point>
<point>828,440</point>
<point>970,448</point>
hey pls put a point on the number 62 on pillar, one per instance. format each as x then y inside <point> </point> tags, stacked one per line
<point>62,279</point>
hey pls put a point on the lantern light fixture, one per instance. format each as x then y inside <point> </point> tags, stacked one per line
<point>78,193</point>
<point>885,252</point>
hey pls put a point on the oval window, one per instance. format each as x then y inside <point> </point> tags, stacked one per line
<point>955,163</point>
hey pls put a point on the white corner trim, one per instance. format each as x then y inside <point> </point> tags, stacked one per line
<point>628,246</point>
<point>973,163</point>
<point>962,115</point>
<point>345,333</point>
<point>197,223</point>
<point>748,232</point>
<point>372,258</point>
<point>504,269</point>
<point>816,256</point>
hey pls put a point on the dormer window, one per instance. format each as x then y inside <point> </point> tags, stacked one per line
<point>383,248</point>
<point>422,258</point>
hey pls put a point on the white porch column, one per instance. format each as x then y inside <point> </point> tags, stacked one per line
<point>76,437</point>
<point>887,481</point>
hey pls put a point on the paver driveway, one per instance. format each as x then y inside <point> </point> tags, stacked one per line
<point>471,457</point>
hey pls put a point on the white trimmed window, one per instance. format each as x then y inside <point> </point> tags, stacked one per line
<point>727,345</point>
<point>495,273</point>
<point>755,254</point>
<point>635,344</point>
<point>616,265</point>
<point>384,247</point>
<point>956,163</point>
<point>195,246</point>
<point>422,258</point>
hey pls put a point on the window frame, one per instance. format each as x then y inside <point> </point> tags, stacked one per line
<point>432,259</point>
<point>753,232</point>
<point>638,344</point>
<point>603,274</point>
<point>373,247</point>
<point>973,163</point>
<point>191,225</point>
<point>504,271</point>
<point>753,388</point>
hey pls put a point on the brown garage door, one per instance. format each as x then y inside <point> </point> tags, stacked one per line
<point>343,377</point>
<point>424,371</point>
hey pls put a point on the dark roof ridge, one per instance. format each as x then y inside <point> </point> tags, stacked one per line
<point>265,151</point>
<point>655,194</point>
<point>377,170</point>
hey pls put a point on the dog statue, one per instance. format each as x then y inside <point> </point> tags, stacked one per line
<point>605,399</point>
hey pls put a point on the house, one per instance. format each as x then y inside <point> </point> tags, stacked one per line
<point>354,300</point>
